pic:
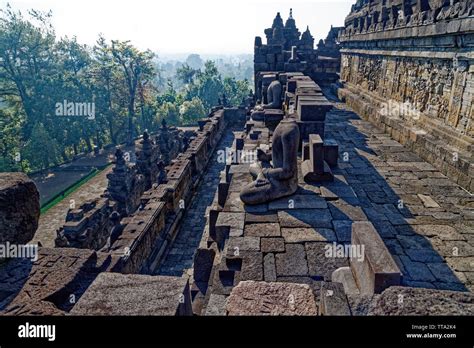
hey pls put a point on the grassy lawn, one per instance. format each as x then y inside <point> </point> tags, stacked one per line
<point>62,195</point>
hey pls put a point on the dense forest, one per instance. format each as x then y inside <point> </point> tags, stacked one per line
<point>60,98</point>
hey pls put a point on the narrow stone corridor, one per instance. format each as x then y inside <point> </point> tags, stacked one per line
<point>180,257</point>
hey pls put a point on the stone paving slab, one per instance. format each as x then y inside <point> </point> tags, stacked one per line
<point>412,301</point>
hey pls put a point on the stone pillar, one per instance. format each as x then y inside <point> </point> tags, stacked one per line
<point>316,153</point>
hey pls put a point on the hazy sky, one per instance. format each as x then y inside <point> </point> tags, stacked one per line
<point>181,26</point>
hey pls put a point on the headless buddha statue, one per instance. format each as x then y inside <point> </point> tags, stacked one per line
<point>274,96</point>
<point>281,178</point>
<point>274,93</point>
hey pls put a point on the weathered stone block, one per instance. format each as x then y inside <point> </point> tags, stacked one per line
<point>19,208</point>
<point>302,235</point>
<point>309,110</point>
<point>262,298</point>
<point>316,153</point>
<point>262,230</point>
<point>202,266</point>
<point>344,276</point>
<point>310,176</point>
<point>272,245</point>
<point>291,86</point>
<point>216,305</point>
<point>305,218</point>
<point>222,192</point>
<point>252,266</point>
<point>269,269</point>
<point>292,262</point>
<point>305,150</point>
<point>333,300</point>
<point>225,222</point>
<point>323,259</point>
<point>307,128</point>
<point>119,294</point>
<point>376,270</point>
<point>398,301</point>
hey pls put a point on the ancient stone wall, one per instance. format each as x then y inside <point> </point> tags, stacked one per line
<point>408,66</point>
<point>87,227</point>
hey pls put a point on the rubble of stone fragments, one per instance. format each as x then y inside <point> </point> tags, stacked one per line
<point>346,188</point>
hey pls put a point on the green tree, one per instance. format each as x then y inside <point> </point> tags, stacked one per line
<point>208,86</point>
<point>40,139</point>
<point>236,90</point>
<point>186,74</point>
<point>10,141</point>
<point>191,111</point>
<point>110,94</point>
<point>27,64</point>
<point>170,112</point>
<point>170,95</point>
<point>137,68</point>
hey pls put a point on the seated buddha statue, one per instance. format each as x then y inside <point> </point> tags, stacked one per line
<point>274,100</point>
<point>275,174</point>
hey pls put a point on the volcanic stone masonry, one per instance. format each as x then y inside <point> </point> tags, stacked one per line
<point>290,51</point>
<point>341,244</point>
<point>298,255</point>
<point>19,208</point>
<point>378,220</point>
<point>408,66</point>
<point>91,225</point>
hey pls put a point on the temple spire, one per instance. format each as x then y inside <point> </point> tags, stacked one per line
<point>290,22</point>
<point>307,34</point>
<point>278,21</point>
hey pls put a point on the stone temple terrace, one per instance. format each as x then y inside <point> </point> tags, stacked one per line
<point>351,194</point>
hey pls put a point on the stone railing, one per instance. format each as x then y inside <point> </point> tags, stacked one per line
<point>126,242</point>
<point>90,225</point>
<point>148,233</point>
<point>137,216</point>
